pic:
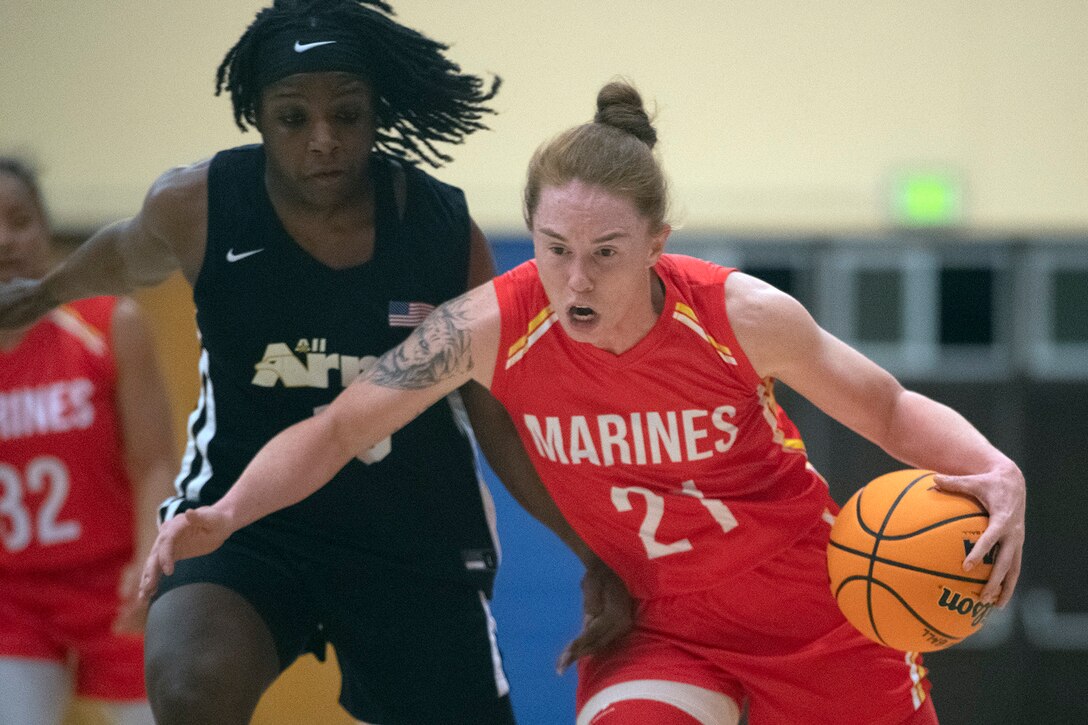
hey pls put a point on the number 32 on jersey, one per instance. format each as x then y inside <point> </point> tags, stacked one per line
<point>44,474</point>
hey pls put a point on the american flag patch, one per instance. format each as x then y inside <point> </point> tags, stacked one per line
<point>408,314</point>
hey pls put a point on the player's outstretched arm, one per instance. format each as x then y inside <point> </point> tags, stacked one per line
<point>140,251</point>
<point>783,341</point>
<point>439,356</point>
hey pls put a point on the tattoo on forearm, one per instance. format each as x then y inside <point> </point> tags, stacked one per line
<point>436,350</point>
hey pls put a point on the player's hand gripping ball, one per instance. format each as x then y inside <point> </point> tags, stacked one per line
<point>896,563</point>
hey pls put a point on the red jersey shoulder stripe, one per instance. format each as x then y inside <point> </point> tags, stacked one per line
<point>687,317</point>
<point>538,325</point>
<point>68,319</point>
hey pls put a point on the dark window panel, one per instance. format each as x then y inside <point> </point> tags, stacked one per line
<point>967,306</point>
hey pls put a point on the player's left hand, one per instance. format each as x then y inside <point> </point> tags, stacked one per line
<point>608,614</point>
<point>1003,494</point>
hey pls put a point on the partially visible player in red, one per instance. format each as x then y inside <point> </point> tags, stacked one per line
<point>86,455</point>
<point>642,386</point>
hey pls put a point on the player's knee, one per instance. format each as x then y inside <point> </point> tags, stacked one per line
<point>640,712</point>
<point>208,657</point>
<point>185,702</point>
<point>185,686</point>
<point>182,691</point>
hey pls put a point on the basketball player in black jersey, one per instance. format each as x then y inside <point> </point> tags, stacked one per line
<point>309,255</point>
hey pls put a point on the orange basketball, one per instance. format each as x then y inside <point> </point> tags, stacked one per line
<point>896,563</point>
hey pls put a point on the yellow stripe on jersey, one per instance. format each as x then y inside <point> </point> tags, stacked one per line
<point>69,320</point>
<point>770,414</point>
<point>917,675</point>
<point>686,316</point>
<point>537,327</point>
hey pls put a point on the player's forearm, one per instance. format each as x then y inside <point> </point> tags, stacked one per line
<point>294,464</point>
<point>529,492</point>
<point>152,486</point>
<point>96,267</point>
<point>22,301</point>
<point>402,384</point>
<point>115,260</point>
<point>926,434</point>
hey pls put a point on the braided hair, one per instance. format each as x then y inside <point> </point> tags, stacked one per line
<point>423,98</point>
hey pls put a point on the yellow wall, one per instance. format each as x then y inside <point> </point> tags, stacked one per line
<point>780,115</point>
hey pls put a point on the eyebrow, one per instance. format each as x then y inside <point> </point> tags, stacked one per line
<point>349,88</point>
<point>610,236</point>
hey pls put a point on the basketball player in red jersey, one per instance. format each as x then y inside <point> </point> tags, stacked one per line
<point>641,384</point>
<point>86,454</point>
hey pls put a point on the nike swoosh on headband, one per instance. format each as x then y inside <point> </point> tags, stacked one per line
<point>232,257</point>
<point>303,47</point>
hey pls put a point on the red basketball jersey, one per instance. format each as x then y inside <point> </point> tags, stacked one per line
<point>65,499</point>
<point>672,460</point>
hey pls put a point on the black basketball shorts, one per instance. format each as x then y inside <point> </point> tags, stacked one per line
<point>412,651</point>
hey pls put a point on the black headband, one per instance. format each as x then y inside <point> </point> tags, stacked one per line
<point>289,51</point>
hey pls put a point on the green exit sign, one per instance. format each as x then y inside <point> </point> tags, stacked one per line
<point>927,198</point>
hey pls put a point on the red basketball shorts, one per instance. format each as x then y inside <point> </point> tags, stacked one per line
<point>67,617</point>
<point>772,638</point>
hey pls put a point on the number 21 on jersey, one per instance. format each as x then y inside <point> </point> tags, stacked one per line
<point>655,510</point>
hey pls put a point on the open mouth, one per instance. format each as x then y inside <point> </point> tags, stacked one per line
<point>578,313</point>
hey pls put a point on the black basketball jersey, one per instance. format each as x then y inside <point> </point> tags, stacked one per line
<point>281,334</point>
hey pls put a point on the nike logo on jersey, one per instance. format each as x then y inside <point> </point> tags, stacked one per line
<point>303,47</point>
<point>232,257</point>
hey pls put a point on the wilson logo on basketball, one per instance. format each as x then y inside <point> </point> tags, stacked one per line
<point>952,601</point>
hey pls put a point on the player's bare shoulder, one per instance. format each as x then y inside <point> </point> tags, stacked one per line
<point>770,325</point>
<point>179,188</point>
<point>175,211</point>
<point>752,302</point>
